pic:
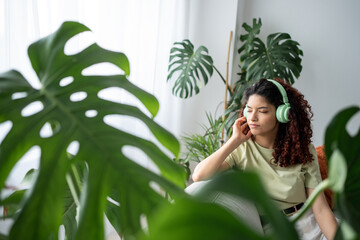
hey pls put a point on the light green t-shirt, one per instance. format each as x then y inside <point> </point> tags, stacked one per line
<point>287,185</point>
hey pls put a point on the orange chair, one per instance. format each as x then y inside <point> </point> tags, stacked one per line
<point>320,151</point>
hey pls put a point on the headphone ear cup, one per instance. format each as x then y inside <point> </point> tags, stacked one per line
<point>245,111</point>
<point>282,113</point>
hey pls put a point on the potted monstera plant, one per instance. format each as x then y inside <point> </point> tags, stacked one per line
<point>279,57</point>
<point>77,189</point>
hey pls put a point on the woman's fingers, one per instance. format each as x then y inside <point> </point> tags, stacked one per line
<point>244,127</point>
<point>240,121</point>
<point>248,134</point>
<point>241,129</point>
<point>241,126</point>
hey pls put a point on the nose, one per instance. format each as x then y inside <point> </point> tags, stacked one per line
<point>253,116</point>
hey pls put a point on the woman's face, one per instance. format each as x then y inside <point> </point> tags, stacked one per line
<point>261,117</point>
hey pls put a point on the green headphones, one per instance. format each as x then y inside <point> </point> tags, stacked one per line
<point>282,111</point>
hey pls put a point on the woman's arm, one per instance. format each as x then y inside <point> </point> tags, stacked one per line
<point>324,215</point>
<point>216,161</point>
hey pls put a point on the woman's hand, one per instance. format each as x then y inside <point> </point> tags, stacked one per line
<point>216,161</point>
<point>241,130</point>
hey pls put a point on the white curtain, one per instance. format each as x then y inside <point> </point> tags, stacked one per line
<point>142,29</point>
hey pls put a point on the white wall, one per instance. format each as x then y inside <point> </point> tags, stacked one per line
<point>329,35</point>
<point>210,23</point>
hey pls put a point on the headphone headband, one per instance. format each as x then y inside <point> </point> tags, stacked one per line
<point>281,89</point>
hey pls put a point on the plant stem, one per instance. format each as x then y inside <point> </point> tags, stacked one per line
<point>223,79</point>
<point>226,87</point>
<point>309,202</point>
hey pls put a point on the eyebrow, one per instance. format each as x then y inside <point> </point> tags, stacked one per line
<point>259,107</point>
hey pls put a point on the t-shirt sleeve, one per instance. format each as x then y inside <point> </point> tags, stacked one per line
<point>232,159</point>
<point>312,171</point>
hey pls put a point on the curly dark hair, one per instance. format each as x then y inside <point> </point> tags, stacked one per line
<point>292,142</point>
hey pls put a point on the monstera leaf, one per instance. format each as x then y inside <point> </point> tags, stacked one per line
<point>280,57</point>
<point>192,68</point>
<point>192,218</point>
<point>80,121</point>
<point>338,139</point>
<point>249,38</point>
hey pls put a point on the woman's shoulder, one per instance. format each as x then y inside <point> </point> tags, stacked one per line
<point>313,152</point>
<point>314,162</point>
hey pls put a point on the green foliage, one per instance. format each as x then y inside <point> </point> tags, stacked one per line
<point>192,218</point>
<point>191,67</point>
<point>76,190</point>
<point>248,38</point>
<point>338,139</point>
<point>109,172</point>
<point>198,146</point>
<point>279,57</point>
<point>335,182</point>
<point>337,172</point>
<point>204,220</point>
<point>343,153</point>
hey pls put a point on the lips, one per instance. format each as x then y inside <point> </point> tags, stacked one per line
<point>253,125</point>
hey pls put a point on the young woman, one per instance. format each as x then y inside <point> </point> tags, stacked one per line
<point>274,139</point>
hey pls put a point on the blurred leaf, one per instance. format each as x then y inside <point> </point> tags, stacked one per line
<point>337,138</point>
<point>112,211</point>
<point>69,217</point>
<point>29,178</point>
<point>3,237</point>
<point>345,232</point>
<point>14,198</point>
<point>136,199</point>
<point>12,203</point>
<point>253,190</point>
<point>100,145</point>
<point>193,219</point>
<point>76,175</point>
<point>192,68</point>
<point>337,172</point>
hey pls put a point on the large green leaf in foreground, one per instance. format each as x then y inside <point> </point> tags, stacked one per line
<point>81,121</point>
<point>337,138</point>
<point>191,218</point>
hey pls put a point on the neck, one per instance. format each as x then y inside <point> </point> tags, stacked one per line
<point>265,141</point>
